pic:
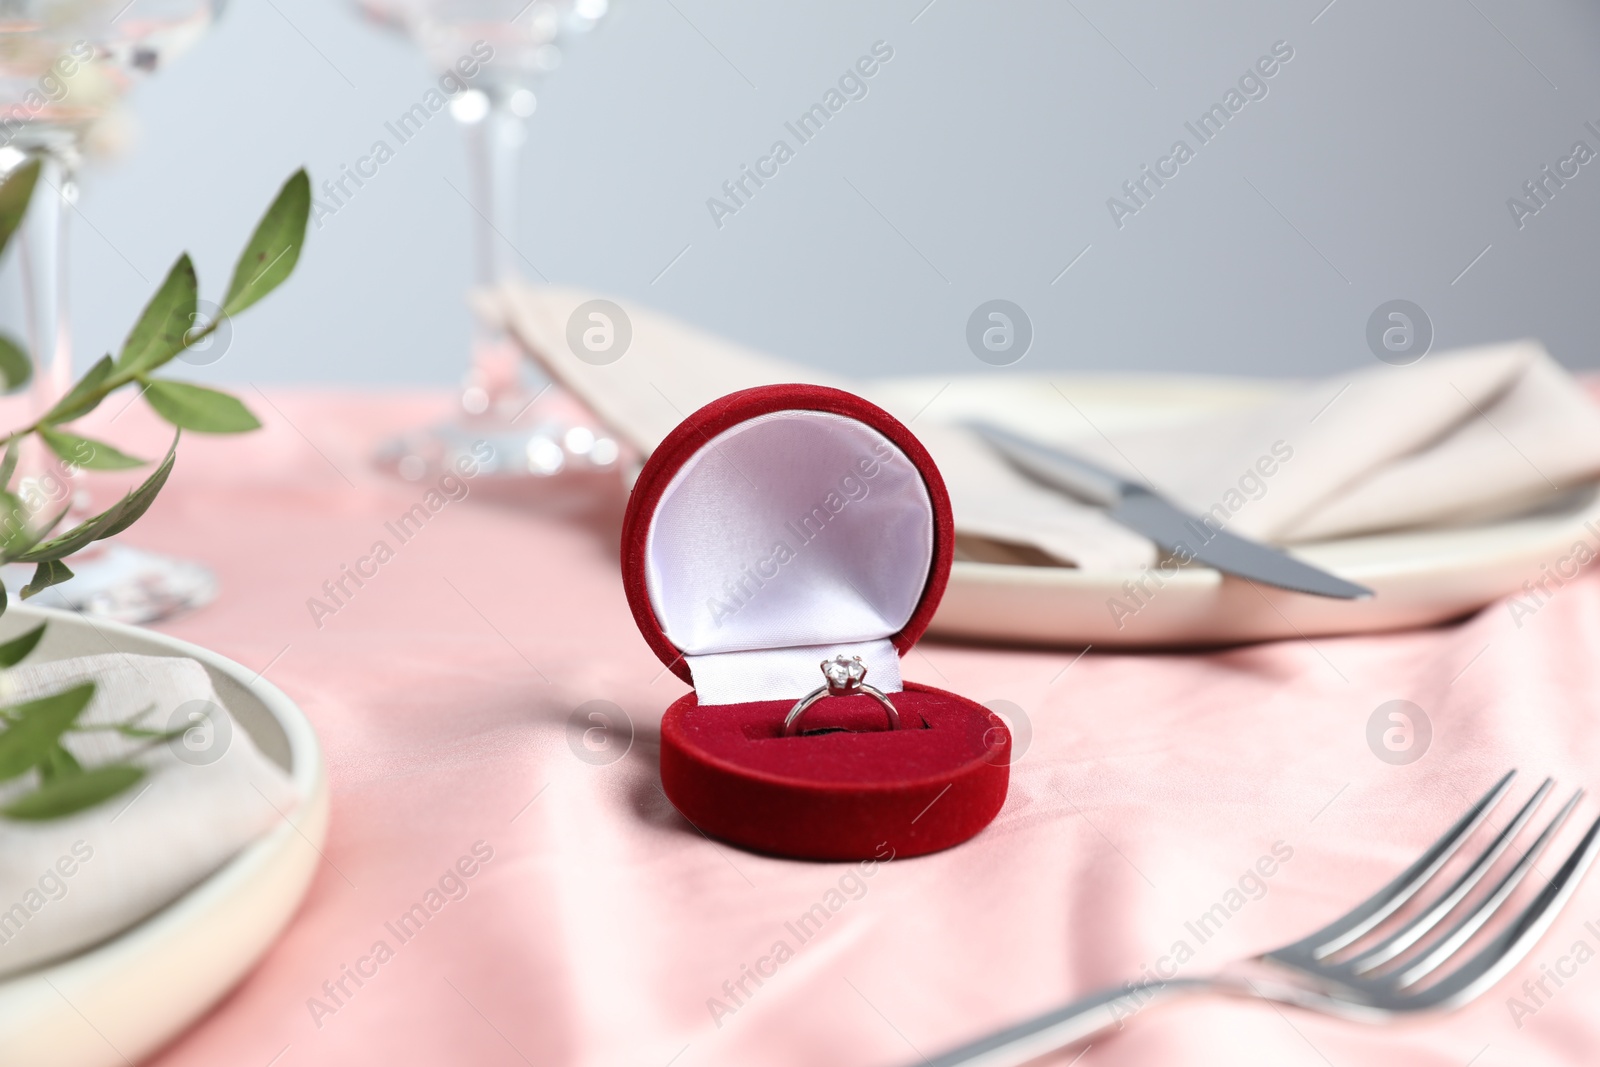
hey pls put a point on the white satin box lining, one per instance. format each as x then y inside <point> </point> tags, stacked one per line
<point>789,538</point>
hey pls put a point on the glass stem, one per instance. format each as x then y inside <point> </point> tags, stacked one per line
<point>44,281</point>
<point>494,150</point>
<point>44,482</point>
<point>495,136</point>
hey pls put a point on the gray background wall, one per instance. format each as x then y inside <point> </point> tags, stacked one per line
<point>979,165</point>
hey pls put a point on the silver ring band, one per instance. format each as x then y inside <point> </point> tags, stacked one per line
<point>844,678</point>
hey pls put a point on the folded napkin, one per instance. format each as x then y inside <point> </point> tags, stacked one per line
<point>71,882</point>
<point>1468,436</point>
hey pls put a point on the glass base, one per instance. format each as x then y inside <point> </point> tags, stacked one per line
<point>550,455</point>
<point>120,582</point>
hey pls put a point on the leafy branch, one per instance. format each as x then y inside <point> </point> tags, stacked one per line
<point>165,330</point>
<point>32,740</point>
<point>32,733</point>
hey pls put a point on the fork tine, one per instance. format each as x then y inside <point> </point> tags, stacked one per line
<point>1378,907</point>
<point>1512,944</point>
<point>1414,931</point>
<point>1448,943</point>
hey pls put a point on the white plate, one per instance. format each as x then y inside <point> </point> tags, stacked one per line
<point>148,983</point>
<point>1419,577</point>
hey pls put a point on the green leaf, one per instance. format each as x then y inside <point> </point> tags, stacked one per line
<point>16,650</point>
<point>38,725</point>
<point>110,522</point>
<point>13,549</point>
<point>15,536</point>
<point>159,333</point>
<point>50,572</point>
<point>8,465</point>
<point>146,733</point>
<point>16,369</point>
<point>86,453</point>
<point>127,727</point>
<point>59,764</point>
<point>73,793</point>
<point>81,398</point>
<point>127,511</point>
<point>274,248</point>
<point>194,407</point>
<point>15,192</point>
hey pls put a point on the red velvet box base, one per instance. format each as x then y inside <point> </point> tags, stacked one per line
<point>931,784</point>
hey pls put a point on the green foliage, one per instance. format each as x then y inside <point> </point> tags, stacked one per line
<point>15,193</point>
<point>84,396</point>
<point>15,650</point>
<point>165,330</point>
<point>194,407</point>
<point>31,733</point>
<point>16,369</point>
<point>50,572</point>
<point>110,522</point>
<point>15,532</point>
<point>83,452</point>
<point>274,248</point>
<point>31,740</point>
<point>159,333</point>
<point>36,727</point>
<point>58,763</point>
<point>70,793</point>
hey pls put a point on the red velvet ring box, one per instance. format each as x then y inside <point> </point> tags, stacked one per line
<point>773,529</point>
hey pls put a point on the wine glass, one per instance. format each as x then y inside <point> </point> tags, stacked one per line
<point>64,67</point>
<point>548,450</point>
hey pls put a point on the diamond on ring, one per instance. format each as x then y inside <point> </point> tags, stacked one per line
<point>844,675</point>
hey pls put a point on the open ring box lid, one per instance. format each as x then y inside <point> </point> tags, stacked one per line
<point>773,529</point>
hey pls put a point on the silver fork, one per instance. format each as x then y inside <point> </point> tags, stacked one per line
<point>1346,969</point>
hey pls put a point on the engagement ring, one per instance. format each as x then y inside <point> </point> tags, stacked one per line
<point>845,677</point>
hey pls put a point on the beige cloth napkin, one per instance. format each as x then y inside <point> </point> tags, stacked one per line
<point>68,883</point>
<point>1472,435</point>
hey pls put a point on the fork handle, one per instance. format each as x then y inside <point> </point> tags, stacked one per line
<point>1105,1010</point>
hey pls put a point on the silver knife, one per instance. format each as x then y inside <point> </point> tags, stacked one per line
<point>1140,509</point>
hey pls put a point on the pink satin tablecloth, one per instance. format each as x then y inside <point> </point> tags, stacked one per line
<point>598,928</point>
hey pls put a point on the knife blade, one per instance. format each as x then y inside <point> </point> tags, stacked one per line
<point>1144,511</point>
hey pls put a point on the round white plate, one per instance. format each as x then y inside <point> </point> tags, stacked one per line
<point>144,986</point>
<point>1419,577</point>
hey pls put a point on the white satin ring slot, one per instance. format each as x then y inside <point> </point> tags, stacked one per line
<point>783,673</point>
